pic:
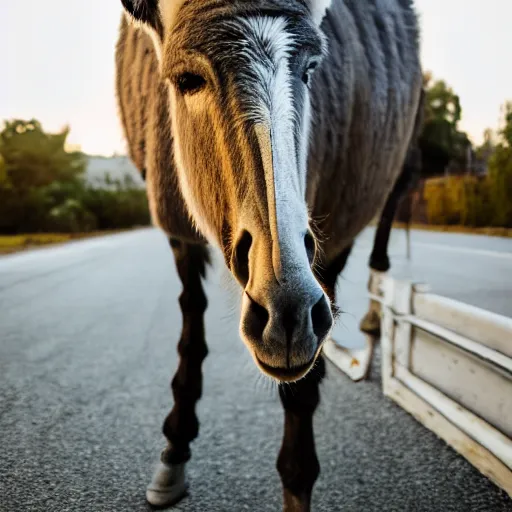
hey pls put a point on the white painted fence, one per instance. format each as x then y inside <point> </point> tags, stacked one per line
<point>450,366</point>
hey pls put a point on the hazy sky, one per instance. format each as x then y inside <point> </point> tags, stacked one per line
<point>58,63</point>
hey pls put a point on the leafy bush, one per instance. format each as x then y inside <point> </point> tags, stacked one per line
<point>42,188</point>
<point>439,196</point>
<point>70,217</point>
<point>121,208</point>
<point>500,174</point>
<point>459,200</point>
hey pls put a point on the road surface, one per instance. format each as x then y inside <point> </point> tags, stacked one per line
<point>88,334</point>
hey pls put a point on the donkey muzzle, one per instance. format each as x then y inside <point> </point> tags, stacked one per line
<point>285,333</point>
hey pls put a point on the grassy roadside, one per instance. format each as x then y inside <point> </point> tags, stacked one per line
<point>16,243</point>
<point>501,232</point>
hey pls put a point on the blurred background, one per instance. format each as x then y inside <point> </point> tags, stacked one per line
<point>63,167</point>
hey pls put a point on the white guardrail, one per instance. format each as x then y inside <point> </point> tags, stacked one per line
<point>449,365</point>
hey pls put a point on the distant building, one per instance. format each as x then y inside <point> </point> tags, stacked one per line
<point>104,172</point>
<point>475,163</point>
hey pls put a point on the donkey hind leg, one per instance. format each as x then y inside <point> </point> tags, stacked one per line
<point>181,426</point>
<point>379,259</point>
<point>297,462</point>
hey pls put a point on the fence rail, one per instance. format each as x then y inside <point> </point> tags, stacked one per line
<point>450,366</point>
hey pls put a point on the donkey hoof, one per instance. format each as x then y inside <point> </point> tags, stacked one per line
<point>167,486</point>
<point>370,324</point>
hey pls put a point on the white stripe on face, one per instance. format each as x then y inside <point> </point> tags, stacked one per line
<point>285,175</point>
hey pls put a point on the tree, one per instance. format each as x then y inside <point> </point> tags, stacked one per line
<point>486,149</point>
<point>32,160</point>
<point>506,132</point>
<point>3,172</point>
<point>483,153</point>
<point>441,141</point>
<point>500,172</point>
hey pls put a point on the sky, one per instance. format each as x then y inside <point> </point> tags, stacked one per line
<point>58,63</point>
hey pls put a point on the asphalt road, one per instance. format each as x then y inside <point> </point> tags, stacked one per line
<point>88,334</point>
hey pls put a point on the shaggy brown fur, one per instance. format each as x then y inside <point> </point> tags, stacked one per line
<point>245,171</point>
<point>143,100</point>
<point>359,133</point>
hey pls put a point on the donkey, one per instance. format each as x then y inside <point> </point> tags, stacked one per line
<point>275,130</point>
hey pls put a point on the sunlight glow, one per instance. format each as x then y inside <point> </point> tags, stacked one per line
<point>64,73</point>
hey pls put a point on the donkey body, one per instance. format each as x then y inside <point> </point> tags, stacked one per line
<point>277,130</point>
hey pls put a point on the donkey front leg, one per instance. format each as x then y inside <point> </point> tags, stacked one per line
<point>297,462</point>
<point>181,426</point>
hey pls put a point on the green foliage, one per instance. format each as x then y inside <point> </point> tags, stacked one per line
<point>458,200</point>
<point>506,132</point>
<point>441,141</point>
<point>120,208</point>
<point>500,173</point>
<point>3,172</point>
<point>477,207</point>
<point>70,217</point>
<point>42,188</point>
<point>472,201</point>
<point>484,151</point>
<point>34,158</point>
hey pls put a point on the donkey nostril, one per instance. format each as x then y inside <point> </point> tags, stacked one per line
<point>256,319</point>
<point>240,262</point>
<point>321,318</point>
<point>309,242</point>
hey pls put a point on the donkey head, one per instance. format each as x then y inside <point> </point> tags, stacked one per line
<point>238,73</point>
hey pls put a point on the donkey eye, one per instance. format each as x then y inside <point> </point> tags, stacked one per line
<point>308,72</point>
<point>190,83</point>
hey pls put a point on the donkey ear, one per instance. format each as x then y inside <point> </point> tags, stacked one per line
<point>145,11</point>
<point>318,9</point>
<point>158,14</point>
